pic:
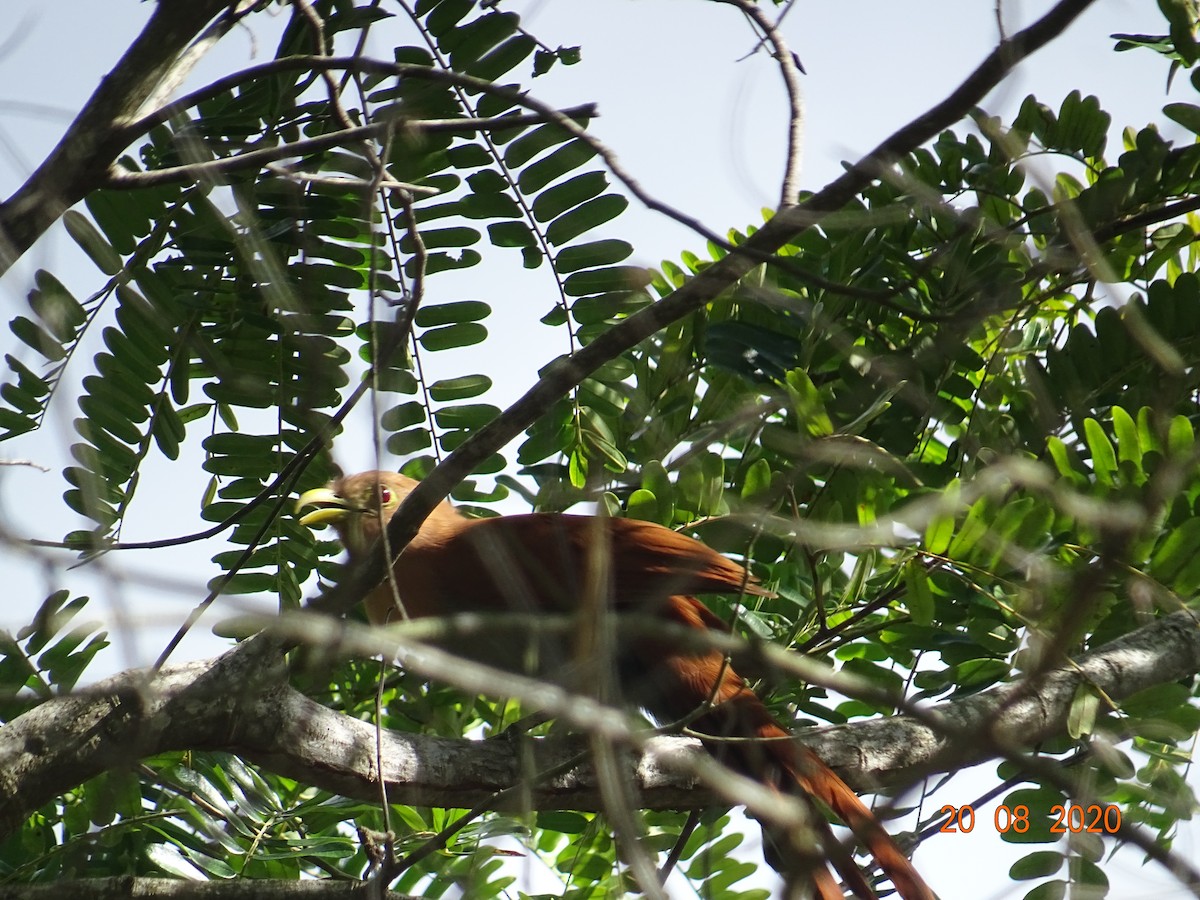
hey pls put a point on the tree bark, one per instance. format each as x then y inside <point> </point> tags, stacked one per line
<point>97,136</point>
<point>241,703</point>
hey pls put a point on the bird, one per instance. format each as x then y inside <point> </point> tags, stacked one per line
<point>550,563</point>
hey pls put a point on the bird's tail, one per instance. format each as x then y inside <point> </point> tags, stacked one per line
<point>777,758</point>
<point>730,714</point>
<point>820,782</point>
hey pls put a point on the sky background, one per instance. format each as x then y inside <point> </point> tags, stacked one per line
<point>696,121</point>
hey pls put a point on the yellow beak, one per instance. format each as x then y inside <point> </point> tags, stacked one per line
<point>330,507</point>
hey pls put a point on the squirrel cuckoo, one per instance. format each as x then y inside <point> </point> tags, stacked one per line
<point>540,563</point>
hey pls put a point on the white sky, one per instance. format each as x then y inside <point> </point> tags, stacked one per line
<point>696,126</point>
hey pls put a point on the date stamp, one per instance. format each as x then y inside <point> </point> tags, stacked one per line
<point>1068,819</point>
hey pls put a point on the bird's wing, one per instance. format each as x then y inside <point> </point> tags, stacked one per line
<point>555,559</point>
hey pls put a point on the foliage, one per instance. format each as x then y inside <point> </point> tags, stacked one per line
<point>952,425</point>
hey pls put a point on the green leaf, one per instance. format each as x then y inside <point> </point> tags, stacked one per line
<point>466,415</point>
<point>643,505</point>
<point>504,58</point>
<point>1081,718</point>
<point>553,202</point>
<point>591,255</point>
<point>402,416</point>
<point>938,533</point>
<point>444,262</point>
<point>1083,125</point>
<point>433,239</point>
<point>756,486</point>
<point>562,821</point>
<point>1050,890</point>
<point>26,402</point>
<point>1104,457</point>
<point>59,311</point>
<point>463,335</point>
<point>1177,548</point>
<point>1181,16</point>
<point>38,338</point>
<point>512,234</point>
<point>461,388</point>
<point>168,431</point>
<point>591,214</point>
<point>1186,114</point>
<point>13,424</point>
<point>976,674</point>
<point>1126,430</point>
<point>1085,872</point>
<point>1038,864</point>
<point>600,447</point>
<point>452,313</point>
<point>701,485</point>
<point>577,468</point>
<point>246,583</point>
<point>563,160</point>
<point>1037,804</point>
<point>529,145</point>
<point>491,204</point>
<point>807,402</point>
<point>169,858</point>
<point>403,443</point>
<point>1064,460</point>
<point>471,40</point>
<point>611,278</point>
<point>918,596</point>
<point>1180,437</point>
<point>92,242</point>
<point>446,14</point>
<point>543,60</point>
<point>973,528</point>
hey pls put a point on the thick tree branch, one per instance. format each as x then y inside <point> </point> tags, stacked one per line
<point>93,140</point>
<point>241,703</point>
<point>128,717</point>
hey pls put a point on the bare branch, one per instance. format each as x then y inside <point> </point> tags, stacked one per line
<point>789,68</point>
<point>24,462</point>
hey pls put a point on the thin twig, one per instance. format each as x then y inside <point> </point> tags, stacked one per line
<point>253,159</point>
<point>789,68</point>
<point>24,462</point>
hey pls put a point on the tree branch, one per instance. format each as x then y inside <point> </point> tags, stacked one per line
<point>790,70</point>
<point>98,134</point>
<point>241,703</point>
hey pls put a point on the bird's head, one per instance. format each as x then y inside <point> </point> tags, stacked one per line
<point>356,506</point>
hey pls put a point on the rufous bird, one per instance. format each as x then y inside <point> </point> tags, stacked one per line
<point>548,563</point>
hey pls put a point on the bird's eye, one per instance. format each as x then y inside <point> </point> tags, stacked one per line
<point>385,496</point>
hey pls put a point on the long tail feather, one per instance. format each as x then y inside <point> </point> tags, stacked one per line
<point>819,781</point>
<point>676,684</point>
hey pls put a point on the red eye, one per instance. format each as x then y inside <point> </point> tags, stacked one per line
<point>385,496</point>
